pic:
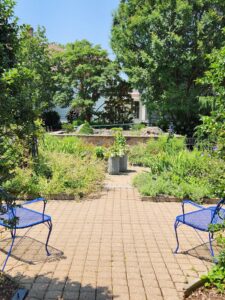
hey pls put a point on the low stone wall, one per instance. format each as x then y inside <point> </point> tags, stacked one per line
<point>107,140</point>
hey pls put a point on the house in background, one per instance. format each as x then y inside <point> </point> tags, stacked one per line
<point>140,111</point>
<point>62,113</point>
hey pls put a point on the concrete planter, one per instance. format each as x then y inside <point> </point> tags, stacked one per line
<point>114,165</point>
<point>123,163</point>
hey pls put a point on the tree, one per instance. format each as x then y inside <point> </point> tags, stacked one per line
<point>79,69</point>
<point>118,105</point>
<point>29,88</point>
<point>212,129</point>
<point>8,49</point>
<point>9,153</point>
<point>162,47</point>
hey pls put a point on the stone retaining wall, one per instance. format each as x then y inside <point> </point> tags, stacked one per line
<point>107,140</point>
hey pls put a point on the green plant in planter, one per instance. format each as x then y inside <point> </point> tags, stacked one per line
<point>122,149</point>
<point>113,151</point>
<point>120,142</point>
<point>216,276</point>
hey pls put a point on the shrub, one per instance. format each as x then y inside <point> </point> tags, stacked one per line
<point>68,127</point>
<point>64,166</point>
<point>216,276</point>
<point>51,120</point>
<point>176,171</point>
<point>71,145</point>
<point>86,129</point>
<point>137,127</point>
<point>100,152</point>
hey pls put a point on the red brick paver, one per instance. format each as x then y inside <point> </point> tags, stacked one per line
<point>114,247</point>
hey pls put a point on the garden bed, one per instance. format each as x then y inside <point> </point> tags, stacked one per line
<point>8,287</point>
<point>206,294</point>
<point>165,198</point>
<point>106,140</point>
<point>174,172</point>
<point>65,169</point>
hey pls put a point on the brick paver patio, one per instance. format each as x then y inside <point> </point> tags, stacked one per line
<point>114,247</point>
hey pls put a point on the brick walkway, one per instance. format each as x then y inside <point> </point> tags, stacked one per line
<point>114,247</point>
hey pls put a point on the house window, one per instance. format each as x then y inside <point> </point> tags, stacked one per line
<point>136,110</point>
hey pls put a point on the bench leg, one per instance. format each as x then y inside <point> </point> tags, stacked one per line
<point>49,233</point>
<point>210,243</point>
<point>175,228</point>
<point>13,235</point>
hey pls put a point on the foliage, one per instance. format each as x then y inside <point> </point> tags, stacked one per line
<point>11,154</point>
<point>142,153</point>
<point>51,119</point>
<point>137,127</point>
<point>79,69</point>
<point>119,147</point>
<point>25,96</point>
<point>85,74</point>
<point>64,166</point>
<point>118,104</point>
<point>86,129</point>
<point>8,35</point>
<point>176,171</point>
<point>162,47</point>
<point>73,115</point>
<point>216,276</point>
<point>211,132</point>
<point>68,127</point>
<point>100,152</point>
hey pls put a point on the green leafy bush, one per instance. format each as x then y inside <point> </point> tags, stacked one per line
<point>72,145</point>
<point>51,119</point>
<point>65,166</point>
<point>68,127</point>
<point>137,127</point>
<point>176,171</point>
<point>119,147</point>
<point>100,152</point>
<point>216,276</point>
<point>86,129</point>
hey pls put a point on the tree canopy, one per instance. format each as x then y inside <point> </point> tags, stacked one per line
<point>212,129</point>
<point>28,86</point>
<point>79,69</point>
<point>162,47</point>
<point>84,74</point>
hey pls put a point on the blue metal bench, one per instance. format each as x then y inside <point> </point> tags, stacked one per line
<point>20,217</point>
<point>201,219</point>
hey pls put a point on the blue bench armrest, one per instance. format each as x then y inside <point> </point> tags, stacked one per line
<point>34,201</point>
<point>192,203</point>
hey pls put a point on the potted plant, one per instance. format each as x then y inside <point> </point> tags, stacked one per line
<point>113,160</point>
<point>120,142</point>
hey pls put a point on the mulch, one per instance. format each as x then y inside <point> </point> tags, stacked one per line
<point>206,294</point>
<point>7,287</point>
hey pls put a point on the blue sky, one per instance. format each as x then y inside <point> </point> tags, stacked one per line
<point>69,20</point>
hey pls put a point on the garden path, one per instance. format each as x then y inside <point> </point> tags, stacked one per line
<point>114,246</point>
